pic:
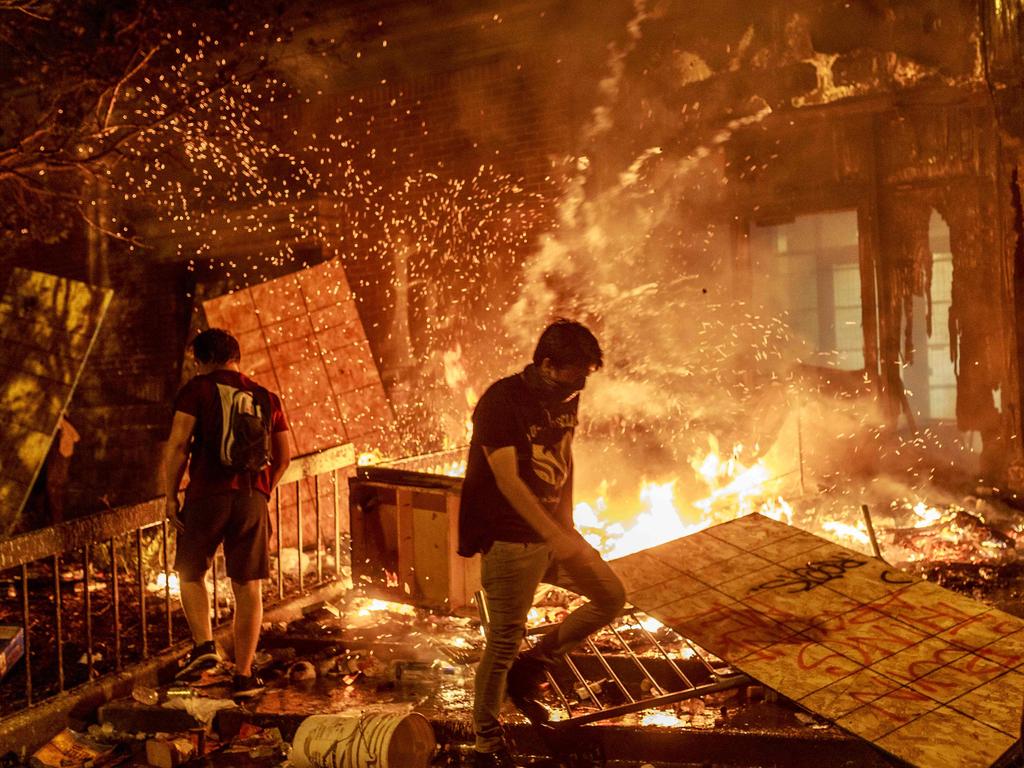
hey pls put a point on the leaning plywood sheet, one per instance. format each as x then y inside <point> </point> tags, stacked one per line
<point>301,336</point>
<point>927,675</point>
<point>47,327</point>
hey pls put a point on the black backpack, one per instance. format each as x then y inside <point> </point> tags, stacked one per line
<point>245,428</point>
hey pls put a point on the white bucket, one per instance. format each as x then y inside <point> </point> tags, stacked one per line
<point>367,740</point>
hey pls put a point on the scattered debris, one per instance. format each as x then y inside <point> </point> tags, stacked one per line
<point>70,748</point>
<point>169,752</point>
<point>321,611</point>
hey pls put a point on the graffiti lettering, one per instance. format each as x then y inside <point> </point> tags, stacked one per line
<point>812,575</point>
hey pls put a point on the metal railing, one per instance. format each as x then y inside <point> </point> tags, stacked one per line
<point>121,553</point>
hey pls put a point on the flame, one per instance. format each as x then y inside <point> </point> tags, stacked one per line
<point>926,515</point>
<point>843,533</point>
<point>370,606</point>
<point>736,485</point>
<point>731,489</point>
<point>657,522</point>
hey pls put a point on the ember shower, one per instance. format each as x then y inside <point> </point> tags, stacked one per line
<point>792,225</point>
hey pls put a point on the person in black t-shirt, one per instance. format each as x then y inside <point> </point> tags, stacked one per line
<point>516,509</point>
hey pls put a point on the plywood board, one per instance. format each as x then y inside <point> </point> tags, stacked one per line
<point>48,325</point>
<point>927,675</point>
<point>301,336</point>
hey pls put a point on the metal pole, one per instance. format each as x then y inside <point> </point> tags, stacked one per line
<point>57,622</point>
<point>167,581</point>
<point>116,595</point>
<point>216,592</point>
<point>800,444</point>
<point>337,525</point>
<point>298,529</point>
<point>87,560</point>
<point>316,515</point>
<point>608,669</point>
<point>280,545</point>
<point>656,689</point>
<point>871,531</point>
<point>141,575</point>
<point>27,629</point>
<point>671,662</point>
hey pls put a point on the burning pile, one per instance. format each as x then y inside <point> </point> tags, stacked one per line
<point>910,529</point>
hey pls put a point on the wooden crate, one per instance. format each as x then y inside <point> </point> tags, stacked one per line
<point>404,528</point>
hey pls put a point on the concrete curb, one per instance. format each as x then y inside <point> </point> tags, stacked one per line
<point>26,731</point>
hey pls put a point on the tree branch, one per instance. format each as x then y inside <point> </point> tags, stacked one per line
<point>120,84</point>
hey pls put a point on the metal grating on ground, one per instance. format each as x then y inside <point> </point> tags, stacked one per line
<point>927,675</point>
<point>628,667</point>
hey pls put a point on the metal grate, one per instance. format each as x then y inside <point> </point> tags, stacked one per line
<point>626,668</point>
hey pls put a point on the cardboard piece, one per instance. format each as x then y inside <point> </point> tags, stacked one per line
<point>70,749</point>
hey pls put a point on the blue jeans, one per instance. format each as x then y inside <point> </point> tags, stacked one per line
<point>510,574</point>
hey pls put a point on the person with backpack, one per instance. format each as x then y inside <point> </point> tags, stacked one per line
<point>232,435</point>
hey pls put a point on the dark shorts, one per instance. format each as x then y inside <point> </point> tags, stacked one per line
<point>237,518</point>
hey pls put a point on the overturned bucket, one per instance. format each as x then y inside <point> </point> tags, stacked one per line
<point>366,740</point>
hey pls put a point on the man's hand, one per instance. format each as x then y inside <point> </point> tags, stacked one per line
<point>568,545</point>
<point>171,509</point>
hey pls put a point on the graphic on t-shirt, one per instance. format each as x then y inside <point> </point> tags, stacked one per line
<point>551,462</point>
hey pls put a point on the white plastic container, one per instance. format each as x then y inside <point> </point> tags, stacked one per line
<point>366,740</point>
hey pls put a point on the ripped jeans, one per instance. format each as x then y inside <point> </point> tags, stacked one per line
<point>510,574</point>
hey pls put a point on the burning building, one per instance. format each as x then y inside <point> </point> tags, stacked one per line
<point>795,226</point>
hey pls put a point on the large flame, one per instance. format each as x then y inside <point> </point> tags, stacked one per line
<point>729,489</point>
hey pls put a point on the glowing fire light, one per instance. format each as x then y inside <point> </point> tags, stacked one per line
<point>730,481</point>
<point>372,606</point>
<point>926,515</point>
<point>162,581</point>
<point>658,522</point>
<point>733,490</point>
<point>662,718</point>
<point>369,458</point>
<point>844,533</point>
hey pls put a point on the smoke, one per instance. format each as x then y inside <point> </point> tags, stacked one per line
<point>642,253</point>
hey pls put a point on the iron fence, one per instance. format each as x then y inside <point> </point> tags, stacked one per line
<point>102,584</point>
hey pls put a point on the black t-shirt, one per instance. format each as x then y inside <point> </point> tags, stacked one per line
<point>511,413</point>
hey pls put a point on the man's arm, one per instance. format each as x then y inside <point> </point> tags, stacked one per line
<point>174,462</point>
<point>281,457</point>
<point>564,543</point>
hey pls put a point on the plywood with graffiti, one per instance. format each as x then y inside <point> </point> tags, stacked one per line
<point>48,325</point>
<point>927,675</point>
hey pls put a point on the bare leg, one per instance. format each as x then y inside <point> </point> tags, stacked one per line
<point>247,621</point>
<point>195,601</point>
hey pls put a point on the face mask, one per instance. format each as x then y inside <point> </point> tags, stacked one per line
<point>562,391</point>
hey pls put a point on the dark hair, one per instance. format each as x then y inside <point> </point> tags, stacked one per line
<point>216,346</point>
<point>566,342</point>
